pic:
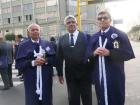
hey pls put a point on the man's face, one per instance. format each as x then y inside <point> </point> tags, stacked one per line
<point>103,21</point>
<point>17,39</point>
<point>34,32</point>
<point>71,25</point>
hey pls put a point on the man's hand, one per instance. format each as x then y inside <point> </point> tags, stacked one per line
<point>61,79</point>
<point>101,52</point>
<point>39,61</point>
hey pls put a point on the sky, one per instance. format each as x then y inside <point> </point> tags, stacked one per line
<point>127,10</point>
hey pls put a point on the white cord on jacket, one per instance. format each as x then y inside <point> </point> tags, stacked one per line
<point>102,70</point>
<point>39,73</point>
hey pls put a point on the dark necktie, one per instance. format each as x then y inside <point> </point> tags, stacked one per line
<point>36,47</point>
<point>103,33</point>
<point>71,40</point>
<point>103,36</point>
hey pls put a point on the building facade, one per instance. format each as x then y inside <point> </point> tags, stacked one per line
<point>16,15</point>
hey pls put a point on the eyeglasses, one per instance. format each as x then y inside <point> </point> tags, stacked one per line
<point>100,18</point>
<point>73,22</point>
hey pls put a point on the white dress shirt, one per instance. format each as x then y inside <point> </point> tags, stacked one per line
<point>105,31</point>
<point>75,35</point>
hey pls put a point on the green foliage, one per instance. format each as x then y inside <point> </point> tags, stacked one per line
<point>135,29</point>
<point>134,33</point>
<point>10,36</point>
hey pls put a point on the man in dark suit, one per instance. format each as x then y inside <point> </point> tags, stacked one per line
<point>10,57</point>
<point>53,43</point>
<point>18,39</point>
<point>4,63</point>
<point>72,48</point>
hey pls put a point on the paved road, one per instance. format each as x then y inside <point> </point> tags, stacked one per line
<point>15,96</point>
<point>133,77</point>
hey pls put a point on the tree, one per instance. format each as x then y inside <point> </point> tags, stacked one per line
<point>10,36</point>
<point>134,33</point>
<point>135,29</point>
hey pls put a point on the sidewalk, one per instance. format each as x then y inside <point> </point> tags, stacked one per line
<point>15,96</point>
<point>133,77</point>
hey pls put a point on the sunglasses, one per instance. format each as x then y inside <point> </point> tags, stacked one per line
<point>100,18</point>
<point>73,22</point>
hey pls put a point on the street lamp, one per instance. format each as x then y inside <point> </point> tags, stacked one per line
<point>78,14</point>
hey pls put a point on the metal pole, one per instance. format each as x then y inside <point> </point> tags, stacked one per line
<point>58,18</point>
<point>78,14</point>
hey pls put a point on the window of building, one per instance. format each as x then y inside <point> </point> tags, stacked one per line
<point>28,17</point>
<point>9,20</point>
<point>52,30</point>
<point>6,21</point>
<point>16,8</point>
<point>73,3</point>
<point>27,7</point>
<point>51,2</point>
<point>51,14</point>
<point>41,16</point>
<point>15,20</point>
<point>19,18</point>
<point>39,4</point>
<point>6,10</point>
<point>3,1</point>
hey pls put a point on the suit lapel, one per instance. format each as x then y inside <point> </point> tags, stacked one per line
<point>66,39</point>
<point>79,39</point>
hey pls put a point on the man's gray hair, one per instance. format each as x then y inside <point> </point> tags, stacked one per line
<point>33,24</point>
<point>68,17</point>
<point>104,12</point>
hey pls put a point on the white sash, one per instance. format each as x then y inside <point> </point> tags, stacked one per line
<point>39,73</point>
<point>102,70</point>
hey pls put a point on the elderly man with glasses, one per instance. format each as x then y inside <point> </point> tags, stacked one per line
<point>110,47</point>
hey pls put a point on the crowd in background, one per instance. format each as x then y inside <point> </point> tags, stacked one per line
<point>8,51</point>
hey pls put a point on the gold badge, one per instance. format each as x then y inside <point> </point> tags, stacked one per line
<point>116,44</point>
